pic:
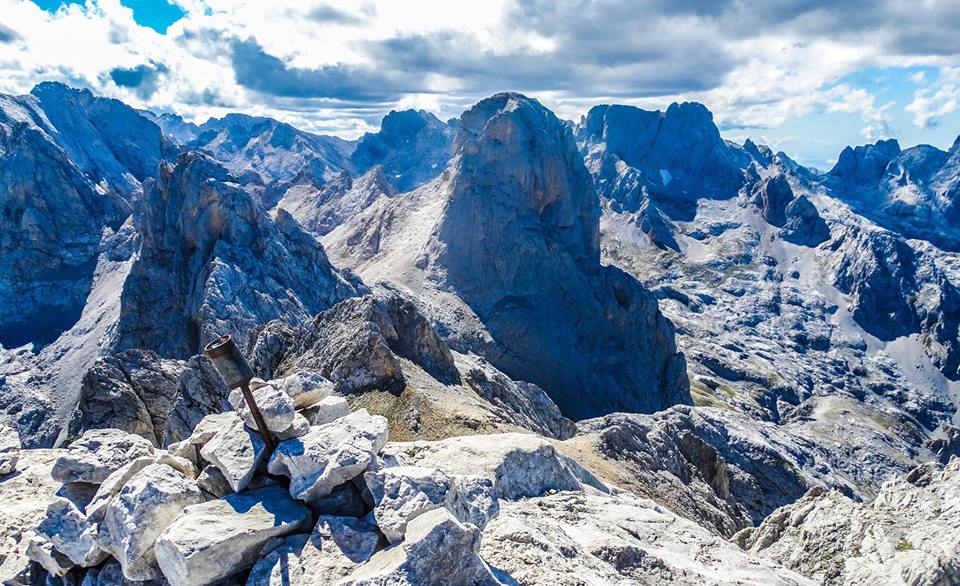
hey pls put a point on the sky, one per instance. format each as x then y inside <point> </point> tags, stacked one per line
<point>806,77</point>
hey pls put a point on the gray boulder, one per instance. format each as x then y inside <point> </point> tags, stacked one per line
<point>237,451</point>
<point>217,539</point>
<point>276,406</point>
<point>437,550</point>
<point>401,494</point>
<point>306,388</point>
<point>328,410</point>
<point>68,529</point>
<point>143,508</point>
<point>330,455</point>
<point>9,449</point>
<point>337,546</point>
<point>98,453</point>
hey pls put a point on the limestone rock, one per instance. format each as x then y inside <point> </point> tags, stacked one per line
<point>412,147</point>
<point>111,574</point>
<point>359,345</point>
<point>132,390</point>
<point>71,533</point>
<point>403,493</point>
<point>201,392</point>
<point>330,454</point>
<point>97,504</point>
<point>9,449</point>
<point>328,410</point>
<point>203,432</point>
<point>220,538</point>
<point>576,538</point>
<point>212,262</point>
<point>299,427</point>
<point>213,482</point>
<point>505,246</point>
<point>909,534</point>
<point>143,508</point>
<point>335,548</point>
<point>24,497</point>
<point>98,453</point>
<point>437,549</point>
<point>276,407</point>
<point>519,465</point>
<point>306,388</point>
<point>42,551</point>
<point>237,451</point>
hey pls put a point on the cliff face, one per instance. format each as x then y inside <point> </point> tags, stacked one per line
<point>508,239</point>
<point>212,262</point>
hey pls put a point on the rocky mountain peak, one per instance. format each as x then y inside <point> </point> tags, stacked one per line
<point>412,147</point>
<point>212,262</point>
<point>105,137</point>
<point>517,165</point>
<point>865,165</point>
<point>679,151</point>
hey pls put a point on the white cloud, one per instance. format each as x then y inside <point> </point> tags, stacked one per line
<point>755,64</point>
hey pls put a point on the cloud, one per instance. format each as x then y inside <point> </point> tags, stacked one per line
<point>330,14</point>
<point>859,101</point>
<point>257,70</point>
<point>143,79</point>
<point>7,34</point>
<point>334,65</point>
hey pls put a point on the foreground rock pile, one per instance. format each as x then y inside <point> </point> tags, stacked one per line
<point>337,504</point>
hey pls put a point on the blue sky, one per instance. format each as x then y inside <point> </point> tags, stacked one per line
<point>804,76</point>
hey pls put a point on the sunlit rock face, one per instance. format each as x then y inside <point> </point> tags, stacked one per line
<point>212,262</point>
<point>70,164</point>
<point>509,236</point>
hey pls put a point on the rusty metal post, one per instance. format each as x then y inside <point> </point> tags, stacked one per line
<point>235,371</point>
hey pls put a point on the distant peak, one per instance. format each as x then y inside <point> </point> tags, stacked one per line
<point>58,90</point>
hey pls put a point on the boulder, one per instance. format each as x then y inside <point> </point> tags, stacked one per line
<point>437,550</point>
<point>236,451</point>
<point>330,454</point>
<point>217,539</point>
<point>276,406</point>
<point>328,410</point>
<point>71,533</point>
<point>97,505</point>
<point>111,574</point>
<point>42,551</point>
<point>299,427</point>
<point>335,548</point>
<point>213,482</point>
<point>204,431</point>
<point>9,449</point>
<point>143,508</point>
<point>306,388</point>
<point>403,493</point>
<point>519,465</point>
<point>98,453</point>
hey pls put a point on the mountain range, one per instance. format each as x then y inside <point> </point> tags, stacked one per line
<point>708,325</point>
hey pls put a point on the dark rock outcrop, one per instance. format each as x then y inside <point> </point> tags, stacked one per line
<point>779,206</point>
<point>519,243</point>
<point>896,291</point>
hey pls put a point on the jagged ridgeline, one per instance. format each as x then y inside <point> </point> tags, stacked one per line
<point>500,349</point>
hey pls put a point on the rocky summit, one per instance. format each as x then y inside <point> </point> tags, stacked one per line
<point>504,349</point>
